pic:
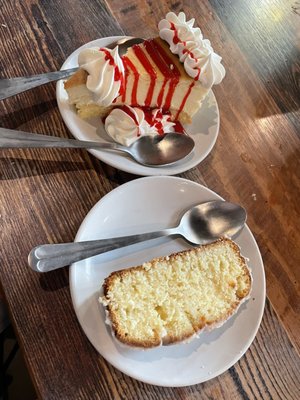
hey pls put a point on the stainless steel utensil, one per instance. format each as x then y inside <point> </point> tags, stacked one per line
<point>159,150</point>
<point>12,86</point>
<point>201,224</point>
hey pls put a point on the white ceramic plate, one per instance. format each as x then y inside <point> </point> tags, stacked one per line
<point>143,205</point>
<point>204,129</point>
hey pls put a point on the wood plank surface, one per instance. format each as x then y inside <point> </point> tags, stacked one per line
<point>256,160</point>
<point>45,194</point>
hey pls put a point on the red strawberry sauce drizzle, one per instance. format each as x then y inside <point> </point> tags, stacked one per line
<point>173,75</point>
<point>176,40</point>
<point>118,76</point>
<point>153,119</point>
<point>148,67</point>
<point>164,69</point>
<point>129,65</point>
<point>166,66</point>
<point>163,62</point>
<point>132,115</point>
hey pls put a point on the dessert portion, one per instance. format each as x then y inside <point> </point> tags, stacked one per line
<point>172,299</point>
<point>98,82</point>
<point>155,78</point>
<point>172,73</point>
<point>126,124</point>
<point>196,53</point>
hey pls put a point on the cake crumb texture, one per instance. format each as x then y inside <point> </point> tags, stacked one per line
<point>169,299</point>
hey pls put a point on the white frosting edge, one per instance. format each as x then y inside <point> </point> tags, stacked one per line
<point>196,53</point>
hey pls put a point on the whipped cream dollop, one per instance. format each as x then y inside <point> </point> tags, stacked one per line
<point>106,73</point>
<point>200,61</point>
<point>127,124</point>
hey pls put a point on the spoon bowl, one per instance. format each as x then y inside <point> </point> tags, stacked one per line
<point>201,224</point>
<point>159,150</point>
<point>162,149</point>
<point>124,43</point>
<point>209,221</point>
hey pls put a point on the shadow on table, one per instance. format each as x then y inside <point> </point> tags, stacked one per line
<point>54,280</point>
<point>16,382</point>
<point>23,115</point>
<point>15,167</point>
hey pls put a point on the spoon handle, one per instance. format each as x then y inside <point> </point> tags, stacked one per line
<point>12,86</point>
<point>49,257</point>
<point>18,139</point>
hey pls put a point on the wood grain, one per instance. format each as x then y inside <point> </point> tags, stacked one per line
<point>272,30</point>
<point>45,194</point>
<point>256,160</point>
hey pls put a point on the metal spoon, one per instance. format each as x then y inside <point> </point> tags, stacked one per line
<point>201,224</point>
<point>10,87</point>
<point>159,150</point>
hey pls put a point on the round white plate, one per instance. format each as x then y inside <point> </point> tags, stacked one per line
<point>204,129</point>
<point>144,205</point>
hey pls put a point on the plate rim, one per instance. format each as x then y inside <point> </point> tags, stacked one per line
<point>135,168</point>
<point>263,284</point>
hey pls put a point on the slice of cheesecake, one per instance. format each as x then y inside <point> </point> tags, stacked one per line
<point>82,98</point>
<point>153,78</point>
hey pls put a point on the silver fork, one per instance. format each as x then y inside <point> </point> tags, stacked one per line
<point>12,86</point>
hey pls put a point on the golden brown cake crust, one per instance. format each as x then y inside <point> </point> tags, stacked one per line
<point>202,323</point>
<point>79,78</point>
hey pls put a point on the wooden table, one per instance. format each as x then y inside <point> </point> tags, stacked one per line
<point>45,194</point>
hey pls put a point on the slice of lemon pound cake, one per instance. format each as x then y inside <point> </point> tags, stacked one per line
<point>171,299</point>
